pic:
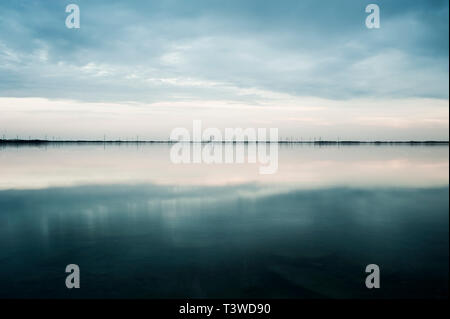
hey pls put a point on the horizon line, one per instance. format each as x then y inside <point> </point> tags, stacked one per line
<point>119,141</point>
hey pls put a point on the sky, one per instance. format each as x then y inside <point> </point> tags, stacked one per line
<point>310,68</point>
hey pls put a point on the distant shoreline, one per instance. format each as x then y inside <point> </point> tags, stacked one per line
<point>320,142</point>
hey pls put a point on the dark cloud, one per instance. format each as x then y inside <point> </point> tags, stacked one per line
<point>150,50</point>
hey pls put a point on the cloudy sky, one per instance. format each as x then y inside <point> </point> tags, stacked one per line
<point>309,67</point>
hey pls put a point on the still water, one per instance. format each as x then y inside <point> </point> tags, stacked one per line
<point>140,226</point>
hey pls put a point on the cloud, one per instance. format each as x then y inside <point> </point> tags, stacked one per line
<point>301,65</point>
<point>300,118</point>
<point>126,51</point>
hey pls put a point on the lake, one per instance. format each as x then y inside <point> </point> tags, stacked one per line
<point>140,226</point>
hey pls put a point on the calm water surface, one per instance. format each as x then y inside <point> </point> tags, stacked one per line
<point>141,227</point>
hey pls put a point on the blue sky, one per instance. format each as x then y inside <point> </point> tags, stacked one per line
<point>311,68</point>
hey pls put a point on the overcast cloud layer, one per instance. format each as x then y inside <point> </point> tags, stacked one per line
<point>166,55</point>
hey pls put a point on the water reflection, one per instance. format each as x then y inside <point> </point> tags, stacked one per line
<point>239,241</point>
<point>304,166</point>
<point>139,226</point>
